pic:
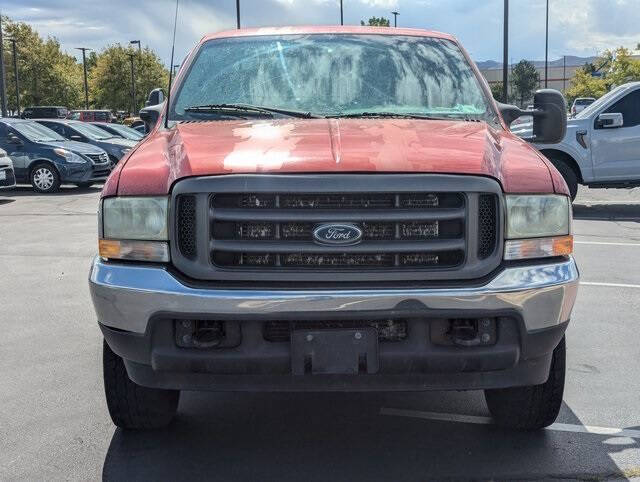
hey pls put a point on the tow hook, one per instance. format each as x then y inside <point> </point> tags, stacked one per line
<point>473,332</point>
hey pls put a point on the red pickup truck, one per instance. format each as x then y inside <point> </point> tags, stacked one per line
<point>335,208</point>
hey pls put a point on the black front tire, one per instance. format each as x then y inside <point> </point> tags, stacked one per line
<point>568,174</point>
<point>531,407</point>
<point>132,406</point>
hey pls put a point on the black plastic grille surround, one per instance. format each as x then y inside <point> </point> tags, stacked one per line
<point>186,217</point>
<point>487,225</point>
<point>255,228</point>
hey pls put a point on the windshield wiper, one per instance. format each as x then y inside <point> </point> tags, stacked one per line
<point>241,109</point>
<point>388,114</point>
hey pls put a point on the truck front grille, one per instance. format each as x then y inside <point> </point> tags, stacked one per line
<point>270,229</point>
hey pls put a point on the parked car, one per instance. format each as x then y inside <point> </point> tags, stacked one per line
<point>120,130</point>
<point>7,176</point>
<point>580,104</point>
<point>45,159</point>
<point>129,121</point>
<point>116,147</point>
<point>91,115</point>
<point>348,229</point>
<point>45,112</point>
<point>602,145</point>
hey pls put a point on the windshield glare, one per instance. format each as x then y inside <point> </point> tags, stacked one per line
<point>127,132</point>
<point>36,132</point>
<point>333,75</point>
<point>91,131</point>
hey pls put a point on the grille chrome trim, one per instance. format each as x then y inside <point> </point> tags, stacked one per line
<point>418,259</point>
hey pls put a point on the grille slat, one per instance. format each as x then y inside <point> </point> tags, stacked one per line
<point>325,215</point>
<point>234,246</point>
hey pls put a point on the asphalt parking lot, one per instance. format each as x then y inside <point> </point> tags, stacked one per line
<point>54,424</point>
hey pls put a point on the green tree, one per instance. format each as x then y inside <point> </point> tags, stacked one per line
<point>110,79</point>
<point>377,22</point>
<point>47,75</point>
<point>496,91</point>
<point>615,67</point>
<point>524,79</point>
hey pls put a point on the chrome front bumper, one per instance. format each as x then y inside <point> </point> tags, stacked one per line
<point>127,296</point>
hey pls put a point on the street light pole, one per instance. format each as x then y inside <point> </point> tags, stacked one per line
<point>238,13</point>
<point>546,50</point>
<point>505,53</point>
<point>15,73</point>
<point>84,67</point>
<point>3,87</point>
<point>341,14</point>
<point>133,86</point>
<point>395,18</point>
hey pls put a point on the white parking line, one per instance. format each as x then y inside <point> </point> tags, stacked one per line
<point>606,243</point>
<point>560,427</point>
<point>613,285</point>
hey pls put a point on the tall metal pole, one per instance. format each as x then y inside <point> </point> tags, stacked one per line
<point>546,50</point>
<point>238,13</point>
<point>341,14</point>
<point>133,86</point>
<point>505,53</point>
<point>3,86</point>
<point>395,18</point>
<point>15,73</point>
<point>84,67</point>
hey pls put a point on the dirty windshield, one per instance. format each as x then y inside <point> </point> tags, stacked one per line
<point>333,75</point>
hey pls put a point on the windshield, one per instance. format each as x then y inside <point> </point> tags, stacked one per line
<point>591,108</point>
<point>92,132</point>
<point>333,75</point>
<point>36,132</point>
<point>126,132</point>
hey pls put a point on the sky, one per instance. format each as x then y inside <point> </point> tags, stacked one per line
<point>576,27</point>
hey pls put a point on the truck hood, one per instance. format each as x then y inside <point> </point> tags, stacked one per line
<point>329,146</point>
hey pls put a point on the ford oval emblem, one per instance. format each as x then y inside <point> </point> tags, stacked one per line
<point>343,234</point>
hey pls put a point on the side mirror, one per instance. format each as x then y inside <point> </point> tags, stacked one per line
<point>156,96</point>
<point>609,120</point>
<point>549,116</point>
<point>15,140</point>
<point>150,115</point>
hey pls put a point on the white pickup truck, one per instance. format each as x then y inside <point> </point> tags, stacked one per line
<point>602,144</point>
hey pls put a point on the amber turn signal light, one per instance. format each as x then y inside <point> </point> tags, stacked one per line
<point>157,251</point>
<point>538,247</point>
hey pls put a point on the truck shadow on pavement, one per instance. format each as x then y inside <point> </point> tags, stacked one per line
<point>325,436</point>
<point>607,212</point>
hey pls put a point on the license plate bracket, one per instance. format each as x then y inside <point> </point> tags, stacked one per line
<point>334,352</point>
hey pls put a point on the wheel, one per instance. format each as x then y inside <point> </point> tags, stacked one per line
<point>568,174</point>
<point>84,185</point>
<point>132,406</point>
<point>45,178</point>
<point>531,407</point>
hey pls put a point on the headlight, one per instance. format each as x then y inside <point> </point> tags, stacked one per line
<point>125,150</point>
<point>538,226</point>
<point>135,228</point>
<point>71,157</point>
